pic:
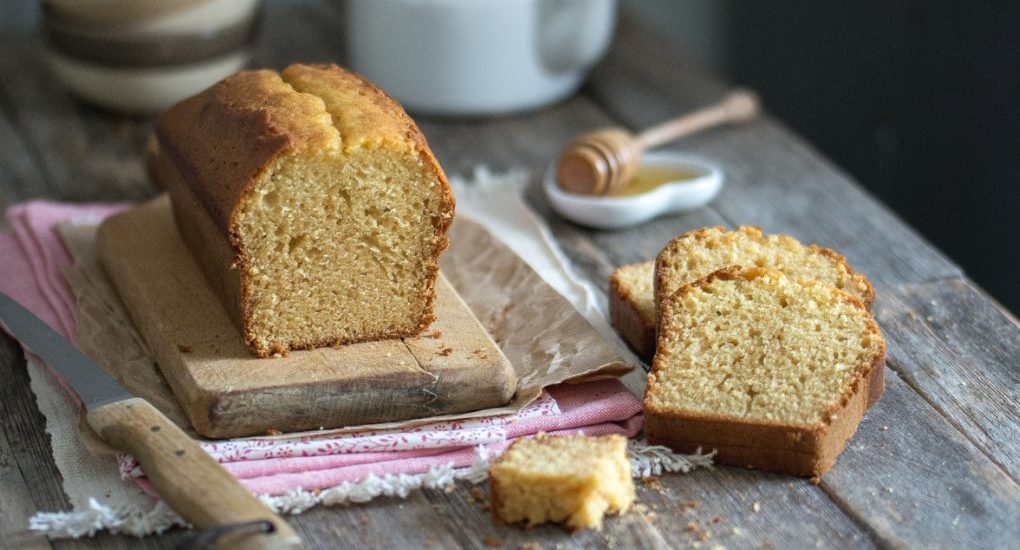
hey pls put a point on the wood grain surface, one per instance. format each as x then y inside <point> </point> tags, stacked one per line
<point>933,465</point>
<point>454,366</point>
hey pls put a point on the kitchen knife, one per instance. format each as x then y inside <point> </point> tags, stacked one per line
<point>187,478</point>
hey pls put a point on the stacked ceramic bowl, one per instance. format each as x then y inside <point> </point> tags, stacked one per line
<point>145,55</point>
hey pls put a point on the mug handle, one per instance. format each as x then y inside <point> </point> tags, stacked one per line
<point>573,34</point>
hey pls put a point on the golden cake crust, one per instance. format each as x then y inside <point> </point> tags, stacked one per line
<point>861,286</point>
<point>223,138</point>
<point>214,147</point>
<point>767,445</point>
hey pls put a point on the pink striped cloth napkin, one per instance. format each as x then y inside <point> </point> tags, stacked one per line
<point>33,257</point>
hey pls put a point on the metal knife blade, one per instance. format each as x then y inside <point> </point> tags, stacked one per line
<point>94,386</point>
<point>190,480</point>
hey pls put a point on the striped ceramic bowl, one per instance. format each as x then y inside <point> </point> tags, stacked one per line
<point>145,55</point>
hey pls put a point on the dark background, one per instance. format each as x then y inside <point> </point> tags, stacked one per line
<point>916,99</point>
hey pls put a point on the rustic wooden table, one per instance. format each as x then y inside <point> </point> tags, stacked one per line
<point>935,464</point>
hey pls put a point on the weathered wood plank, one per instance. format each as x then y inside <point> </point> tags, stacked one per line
<point>663,515</point>
<point>950,342</point>
<point>106,541</point>
<point>468,507</point>
<point>17,505</point>
<point>19,172</point>
<point>791,181</point>
<point>25,429</point>
<point>381,524</point>
<point>915,480</point>
<point>83,153</point>
<point>531,141</point>
<point>777,181</point>
<point>730,494</point>
<point>773,178</point>
<point>853,465</point>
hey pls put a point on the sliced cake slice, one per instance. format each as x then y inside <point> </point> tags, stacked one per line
<point>772,372</point>
<point>632,306</point>
<point>573,480</point>
<point>698,253</point>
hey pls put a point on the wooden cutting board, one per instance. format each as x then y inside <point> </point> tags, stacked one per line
<point>453,367</point>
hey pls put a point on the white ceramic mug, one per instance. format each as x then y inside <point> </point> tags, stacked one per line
<point>475,57</point>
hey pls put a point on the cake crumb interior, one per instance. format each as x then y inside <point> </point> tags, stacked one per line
<point>569,479</point>
<point>341,241</point>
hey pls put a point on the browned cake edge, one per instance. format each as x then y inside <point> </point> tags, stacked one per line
<point>495,490</point>
<point>219,191</point>
<point>868,292</point>
<point>624,315</point>
<point>772,446</point>
<point>868,296</point>
<point>208,246</point>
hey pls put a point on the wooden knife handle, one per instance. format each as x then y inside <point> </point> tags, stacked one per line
<point>187,478</point>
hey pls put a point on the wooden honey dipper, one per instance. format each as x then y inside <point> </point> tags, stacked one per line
<point>603,161</point>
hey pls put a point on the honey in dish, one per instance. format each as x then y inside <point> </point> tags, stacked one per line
<point>650,177</point>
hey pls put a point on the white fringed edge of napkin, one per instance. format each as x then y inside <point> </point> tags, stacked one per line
<point>645,460</point>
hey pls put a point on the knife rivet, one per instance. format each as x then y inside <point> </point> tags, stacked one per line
<point>179,452</point>
<point>154,428</point>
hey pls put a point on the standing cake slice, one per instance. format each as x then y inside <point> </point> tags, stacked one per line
<point>695,254</point>
<point>312,203</point>
<point>698,253</point>
<point>772,372</point>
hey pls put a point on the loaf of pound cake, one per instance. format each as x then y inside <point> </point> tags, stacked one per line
<point>772,372</point>
<point>312,204</point>
<point>574,480</point>
<point>698,253</point>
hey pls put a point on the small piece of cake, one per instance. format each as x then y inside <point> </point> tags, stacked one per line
<point>566,479</point>
<point>632,306</point>
<point>698,253</point>
<point>312,204</point>
<point>772,372</point>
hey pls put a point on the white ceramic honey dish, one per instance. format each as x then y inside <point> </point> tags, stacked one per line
<point>667,182</point>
